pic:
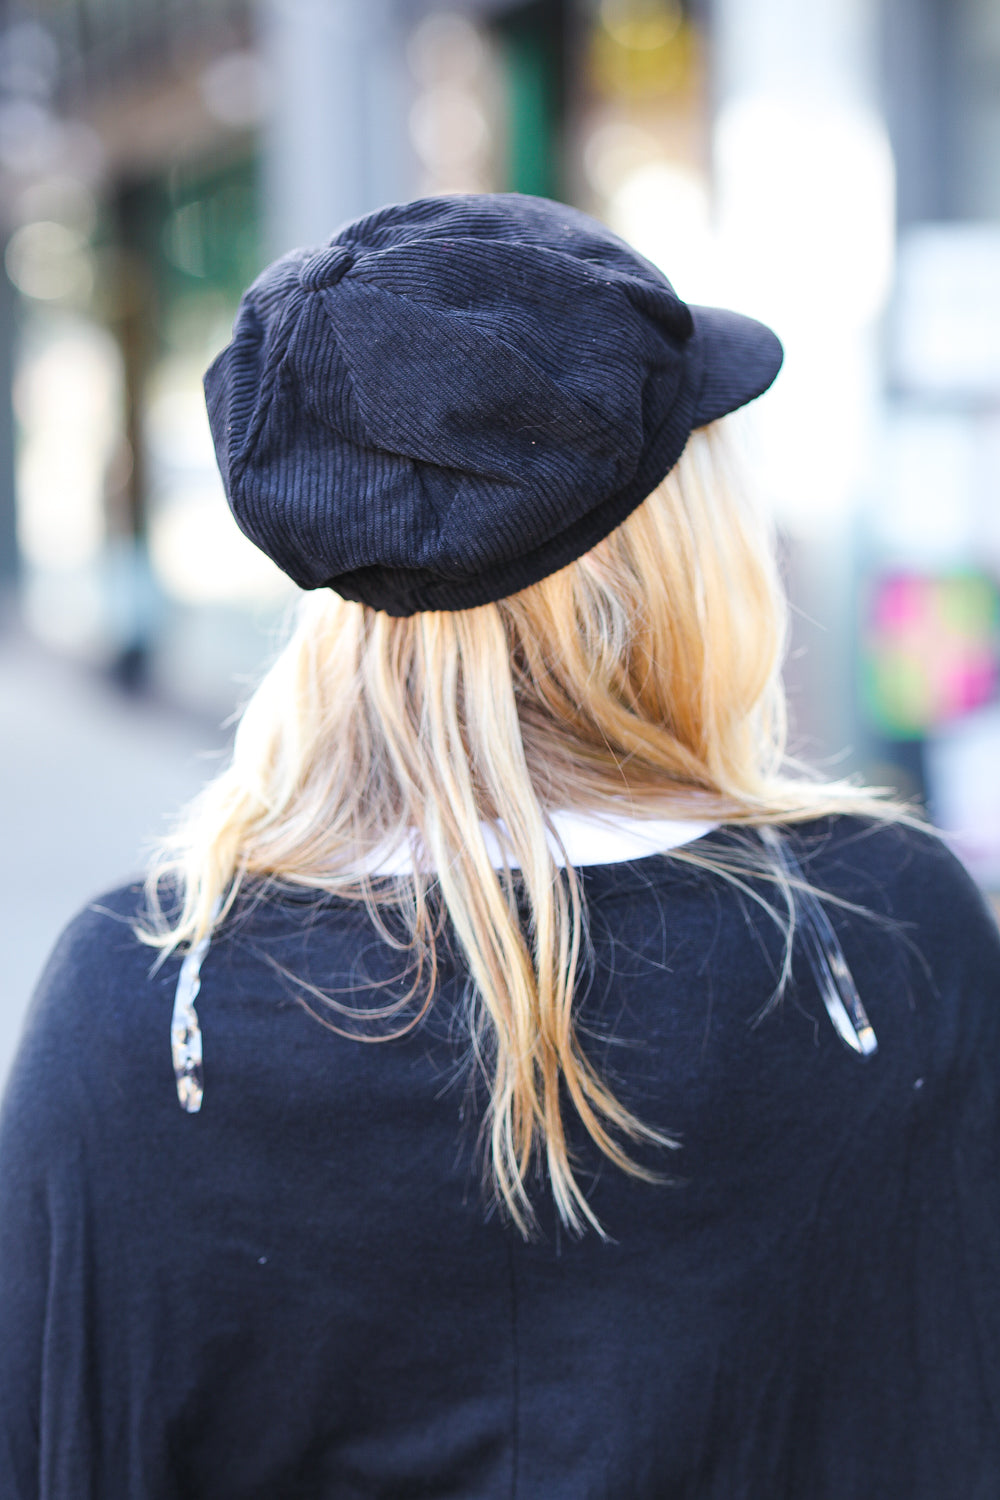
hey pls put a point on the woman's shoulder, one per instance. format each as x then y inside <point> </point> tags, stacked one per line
<point>96,1042</point>
<point>903,870</point>
<point>103,929</point>
<point>99,962</point>
<point>101,1003</point>
<point>914,926</point>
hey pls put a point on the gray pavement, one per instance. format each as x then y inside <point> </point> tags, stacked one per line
<point>88,777</point>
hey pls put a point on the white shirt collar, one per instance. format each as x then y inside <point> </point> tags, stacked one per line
<point>588,839</point>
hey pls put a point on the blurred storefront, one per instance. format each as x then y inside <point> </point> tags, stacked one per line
<point>831,168</point>
<point>132,201</point>
<point>929,562</point>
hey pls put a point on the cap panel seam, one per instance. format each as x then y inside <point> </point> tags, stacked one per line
<point>292,318</point>
<point>498,342</point>
<point>532,250</point>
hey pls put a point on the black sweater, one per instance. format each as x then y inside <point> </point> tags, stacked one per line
<point>301,1291</point>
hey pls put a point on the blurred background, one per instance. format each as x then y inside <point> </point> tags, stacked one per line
<point>832,167</point>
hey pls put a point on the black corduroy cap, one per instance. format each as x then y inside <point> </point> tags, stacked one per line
<point>458,396</point>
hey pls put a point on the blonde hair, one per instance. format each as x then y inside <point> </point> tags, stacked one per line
<point>644,676</point>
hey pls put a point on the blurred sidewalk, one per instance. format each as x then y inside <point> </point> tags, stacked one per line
<point>87,778</point>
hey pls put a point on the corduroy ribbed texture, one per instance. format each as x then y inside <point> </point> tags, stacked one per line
<point>458,396</point>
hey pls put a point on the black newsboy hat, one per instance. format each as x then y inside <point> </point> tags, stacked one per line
<point>457,396</point>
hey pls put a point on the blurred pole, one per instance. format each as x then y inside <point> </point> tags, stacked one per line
<point>135,319</point>
<point>336,143</point>
<point>805,199</point>
<point>920,85</point>
<point>536,42</point>
<point>9,556</point>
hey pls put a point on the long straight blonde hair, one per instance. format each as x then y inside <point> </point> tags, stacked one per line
<point>642,678</point>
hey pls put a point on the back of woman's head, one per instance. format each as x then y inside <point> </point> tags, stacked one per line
<point>643,677</point>
<point>646,671</point>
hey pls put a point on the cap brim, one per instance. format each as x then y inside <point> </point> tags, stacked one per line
<point>740,359</point>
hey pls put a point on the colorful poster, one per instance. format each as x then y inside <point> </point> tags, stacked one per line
<point>930,650</point>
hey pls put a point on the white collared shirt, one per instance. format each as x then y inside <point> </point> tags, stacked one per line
<point>587,838</point>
